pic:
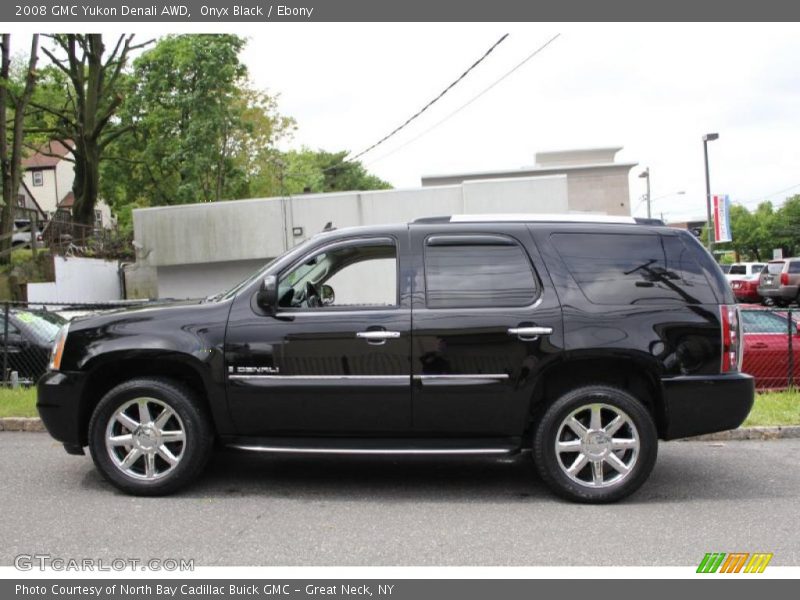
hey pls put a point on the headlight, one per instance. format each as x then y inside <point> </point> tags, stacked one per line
<point>58,349</point>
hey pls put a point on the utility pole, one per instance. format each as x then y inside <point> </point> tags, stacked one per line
<point>646,175</point>
<point>709,137</point>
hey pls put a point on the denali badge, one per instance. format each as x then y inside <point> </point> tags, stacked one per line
<point>253,370</point>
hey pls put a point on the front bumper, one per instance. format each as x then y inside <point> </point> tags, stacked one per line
<point>695,405</point>
<point>58,399</point>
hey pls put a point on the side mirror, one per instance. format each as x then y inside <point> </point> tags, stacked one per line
<point>267,297</point>
<point>327,295</point>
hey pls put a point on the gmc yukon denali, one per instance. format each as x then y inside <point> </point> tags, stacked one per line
<point>582,339</point>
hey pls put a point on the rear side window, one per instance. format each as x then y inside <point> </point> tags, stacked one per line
<point>464,274</point>
<point>794,266</point>
<point>633,268</point>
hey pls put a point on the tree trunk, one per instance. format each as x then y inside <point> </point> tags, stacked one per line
<point>5,162</point>
<point>85,186</point>
<point>12,165</point>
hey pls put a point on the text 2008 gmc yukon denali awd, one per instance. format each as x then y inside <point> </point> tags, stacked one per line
<point>584,340</point>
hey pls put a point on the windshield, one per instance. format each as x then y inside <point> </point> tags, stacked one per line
<point>41,324</point>
<point>260,273</point>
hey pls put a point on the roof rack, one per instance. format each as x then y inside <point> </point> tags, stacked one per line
<point>538,218</point>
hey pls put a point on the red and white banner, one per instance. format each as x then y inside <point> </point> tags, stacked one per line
<point>722,219</point>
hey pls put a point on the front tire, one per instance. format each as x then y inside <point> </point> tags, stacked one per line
<point>595,444</point>
<point>150,436</point>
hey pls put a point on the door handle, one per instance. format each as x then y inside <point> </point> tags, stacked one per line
<point>759,345</point>
<point>528,334</point>
<point>377,337</point>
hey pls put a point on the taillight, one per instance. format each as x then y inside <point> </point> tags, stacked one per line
<point>784,279</point>
<point>731,355</point>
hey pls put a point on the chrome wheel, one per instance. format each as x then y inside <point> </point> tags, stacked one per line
<point>597,445</point>
<point>145,439</point>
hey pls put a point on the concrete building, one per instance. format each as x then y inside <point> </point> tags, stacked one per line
<point>595,182</point>
<point>195,250</point>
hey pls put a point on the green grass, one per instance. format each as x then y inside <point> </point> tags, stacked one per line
<point>775,408</point>
<point>771,408</point>
<point>20,402</point>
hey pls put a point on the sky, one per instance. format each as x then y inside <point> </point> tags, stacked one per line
<point>653,89</point>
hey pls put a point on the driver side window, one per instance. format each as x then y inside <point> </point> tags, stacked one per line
<point>360,274</point>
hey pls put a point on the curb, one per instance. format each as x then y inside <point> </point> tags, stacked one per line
<point>779,432</point>
<point>21,424</point>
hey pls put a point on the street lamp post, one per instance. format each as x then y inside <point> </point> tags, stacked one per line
<point>709,137</point>
<point>646,175</point>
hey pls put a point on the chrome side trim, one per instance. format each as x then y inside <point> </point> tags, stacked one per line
<point>322,377</point>
<point>460,376</point>
<point>377,451</point>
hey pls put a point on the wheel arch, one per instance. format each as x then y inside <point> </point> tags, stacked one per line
<point>116,368</point>
<point>624,372</point>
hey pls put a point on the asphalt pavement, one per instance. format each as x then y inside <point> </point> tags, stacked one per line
<point>248,509</point>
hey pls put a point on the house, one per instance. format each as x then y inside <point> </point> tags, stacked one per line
<point>46,185</point>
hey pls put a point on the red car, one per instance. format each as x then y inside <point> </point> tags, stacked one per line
<point>766,348</point>
<point>746,290</point>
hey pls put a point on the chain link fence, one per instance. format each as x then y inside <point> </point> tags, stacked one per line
<point>771,346</point>
<point>27,332</point>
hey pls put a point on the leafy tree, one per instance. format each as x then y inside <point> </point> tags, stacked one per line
<point>14,99</point>
<point>785,226</point>
<point>320,171</point>
<point>201,132</point>
<point>79,103</point>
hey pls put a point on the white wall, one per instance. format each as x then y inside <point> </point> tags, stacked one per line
<point>245,230</point>
<point>199,281</point>
<point>44,194</point>
<point>79,280</point>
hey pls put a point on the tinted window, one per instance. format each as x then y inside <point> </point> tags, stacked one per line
<point>758,268</point>
<point>738,270</point>
<point>633,268</point>
<point>794,266</point>
<point>775,267</point>
<point>464,276</point>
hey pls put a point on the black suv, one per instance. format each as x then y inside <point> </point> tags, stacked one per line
<point>583,340</point>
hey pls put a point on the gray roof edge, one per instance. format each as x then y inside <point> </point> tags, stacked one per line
<point>531,169</point>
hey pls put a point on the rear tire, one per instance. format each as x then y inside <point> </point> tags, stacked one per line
<point>595,444</point>
<point>150,436</point>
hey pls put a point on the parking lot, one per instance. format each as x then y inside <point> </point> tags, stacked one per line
<point>265,510</point>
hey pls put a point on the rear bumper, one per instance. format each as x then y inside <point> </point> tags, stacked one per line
<point>695,405</point>
<point>58,396</point>
<point>746,295</point>
<point>785,292</point>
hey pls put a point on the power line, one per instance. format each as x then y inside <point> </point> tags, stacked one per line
<point>473,99</point>
<point>432,102</point>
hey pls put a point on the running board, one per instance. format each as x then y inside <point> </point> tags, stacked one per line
<point>408,447</point>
